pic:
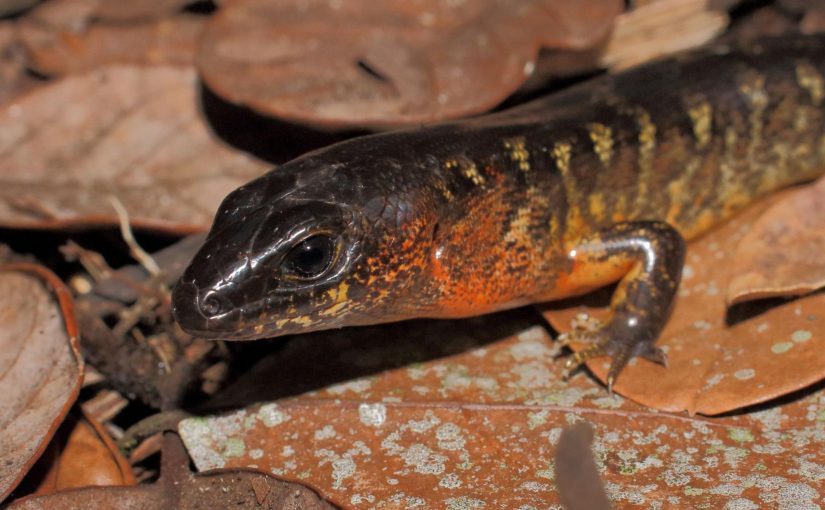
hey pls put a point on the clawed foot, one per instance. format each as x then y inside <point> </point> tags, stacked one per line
<point>607,340</point>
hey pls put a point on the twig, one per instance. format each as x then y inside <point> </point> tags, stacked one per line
<point>137,252</point>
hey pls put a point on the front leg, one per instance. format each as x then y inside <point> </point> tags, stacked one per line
<point>651,255</point>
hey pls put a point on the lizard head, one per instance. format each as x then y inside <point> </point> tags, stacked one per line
<point>335,238</point>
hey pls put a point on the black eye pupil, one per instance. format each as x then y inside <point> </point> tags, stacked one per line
<point>310,258</point>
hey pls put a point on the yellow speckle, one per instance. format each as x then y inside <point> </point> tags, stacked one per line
<point>602,137</point>
<point>597,207</point>
<point>339,293</point>
<point>561,153</point>
<point>752,90</point>
<point>728,183</point>
<point>647,152</point>
<point>809,79</point>
<point>676,190</point>
<point>518,152</point>
<point>445,192</point>
<point>333,310</point>
<point>468,169</point>
<point>701,115</point>
<point>620,209</point>
<point>519,226</point>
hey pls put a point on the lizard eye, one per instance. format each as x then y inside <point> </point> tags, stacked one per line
<point>310,258</point>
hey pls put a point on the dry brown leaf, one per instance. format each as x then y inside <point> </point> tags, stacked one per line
<point>133,133</point>
<point>648,31</point>
<point>67,36</point>
<point>14,80</point>
<point>781,255</point>
<point>82,454</point>
<point>118,10</point>
<point>40,365</point>
<point>480,426</point>
<point>716,367</point>
<point>660,28</point>
<point>178,488</point>
<point>380,64</point>
<point>367,446</point>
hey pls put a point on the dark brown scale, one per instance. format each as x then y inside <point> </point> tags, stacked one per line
<point>555,198</point>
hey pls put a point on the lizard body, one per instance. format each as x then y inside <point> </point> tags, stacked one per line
<point>596,184</point>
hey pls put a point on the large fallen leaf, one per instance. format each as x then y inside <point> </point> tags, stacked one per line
<point>67,36</point>
<point>718,363</point>
<point>781,255</point>
<point>441,414</point>
<point>648,30</point>
<point>82,454</point>
<point>364,63</point>
<point>178,488</point>
<point>475,366</point>
<point>133,133</point>
<point>436,452</point>
<point>40,366</point>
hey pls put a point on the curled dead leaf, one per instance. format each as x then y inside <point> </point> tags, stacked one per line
<point>40,365</point>
<point>381,64</point>
<point>717,362</point>
<point>180,489</point>
<point>781,255</point>
<point>131,132</point>
<point>82,454</point>
<point>70,36</point>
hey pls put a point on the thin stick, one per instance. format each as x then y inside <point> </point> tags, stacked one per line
<point>137,252</point>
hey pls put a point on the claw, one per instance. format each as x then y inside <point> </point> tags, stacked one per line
<point>610,380</point>
<point>655,355</point>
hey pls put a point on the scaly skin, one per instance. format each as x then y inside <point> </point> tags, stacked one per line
<point>563,195</point>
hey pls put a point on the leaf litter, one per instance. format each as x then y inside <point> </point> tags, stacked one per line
<point>447,433</point>
<point>71,36</point>
<point>719,360</point>
<point>781,255</point>
<point>80,454</point>
<point>388,63</point>
<point>40,365</point>
<point>179,488</point>
<point>486,402</point>
<point>134,133</point>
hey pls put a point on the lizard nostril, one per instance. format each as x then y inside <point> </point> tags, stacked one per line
<point>213,304</point>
